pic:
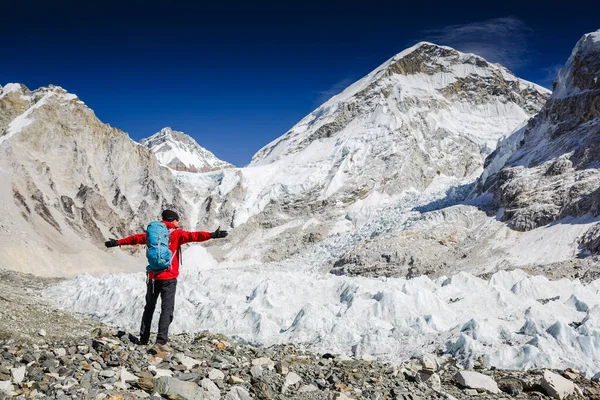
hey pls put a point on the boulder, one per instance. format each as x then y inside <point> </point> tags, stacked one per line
<point>212,391</point>
<point>238,393</point>
<point>556,386</point>
<point>172,388</point>
<point>475,380</point>
<point>188,362</point>
<point>216,375</point>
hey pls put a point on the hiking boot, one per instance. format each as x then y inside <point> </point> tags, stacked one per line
<point>161,348</point>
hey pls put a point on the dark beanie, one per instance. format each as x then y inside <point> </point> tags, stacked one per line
<point>169,215</point>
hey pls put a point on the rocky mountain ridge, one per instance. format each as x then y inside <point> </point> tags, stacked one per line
<point>553,171</point>
<point>72,181</point>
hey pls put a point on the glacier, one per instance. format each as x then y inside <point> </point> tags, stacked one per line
<point>512,319</point>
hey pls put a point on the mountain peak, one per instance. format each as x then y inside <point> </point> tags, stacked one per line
<point>430,58</point>
<point>580,73</point>
<point>181,152</point>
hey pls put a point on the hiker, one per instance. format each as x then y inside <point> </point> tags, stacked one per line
<point>162,271</point>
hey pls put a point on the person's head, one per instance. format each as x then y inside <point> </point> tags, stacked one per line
<point>171,216</point>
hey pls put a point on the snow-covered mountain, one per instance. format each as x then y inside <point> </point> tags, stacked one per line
<point>71,182</point>
<point>543,179</point>
<point>181,152</point>
<point>422,121</point>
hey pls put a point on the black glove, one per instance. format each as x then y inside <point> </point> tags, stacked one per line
<point>111,243</point>
<point>218,234</point>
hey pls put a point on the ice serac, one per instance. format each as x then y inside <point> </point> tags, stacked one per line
<point>71,182</point>
<point>551,170</point>
<point>181,152</point>
<point>423,120</point>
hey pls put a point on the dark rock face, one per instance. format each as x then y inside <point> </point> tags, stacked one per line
<point>555,171</point>
<point>590,241</point>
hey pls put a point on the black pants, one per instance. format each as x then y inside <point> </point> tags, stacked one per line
<point>166,290</point>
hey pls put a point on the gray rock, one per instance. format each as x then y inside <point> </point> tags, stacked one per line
<point>307,388</point>
<point>188,362</point>
<point>291,379</point>
<point>238,393</point>
<point>511,386</point>
<point>263,362</point>
<point>60,352</point>
<point>476,380</point>
<point>256,371</point>
<point>175,389</point>
<point>108,373</point>
<point>212,391</point>
<point>125,375</point>
<point>215,374</point>
<point>18,374</point>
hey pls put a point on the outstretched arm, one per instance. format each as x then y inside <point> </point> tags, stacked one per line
<point>139,238</point>
<point>200,236</point>
<point>186,237</point>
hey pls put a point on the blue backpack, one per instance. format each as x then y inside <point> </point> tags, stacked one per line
<point>157,251</point>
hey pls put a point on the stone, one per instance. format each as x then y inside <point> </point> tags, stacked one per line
<point>476,380</point>
<point>556,386</point>
<point>340,396</point>
<point>238,393</point>
<point>256,371</point>
<point>428,363</point>
<point>264,362</point>
<point>215,375</point>
<point>188,376</point>
<point>60,352</point>
<point>432,380</point>
<point>262,390</point>
<point>234,380</point>
<point>307,388</point>
<point>471,392</point>
<point>140,394</point>
<point>42,332</point>
<point>571,374</point>
<point>212,391</point>
<point>18,374</point>
<point>6,387</point>
<point>281,368</point>
<point>163,372</point>
<point>188,362</point>
<point>125,375</point>
<point>511,386</point>
<point>107,373</point>
<point>146,384</point>
<point>173,388</point>
<point>291,379</point>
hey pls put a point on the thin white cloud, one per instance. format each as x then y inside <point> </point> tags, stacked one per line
<point>336,88</point>
<point>501,40</point>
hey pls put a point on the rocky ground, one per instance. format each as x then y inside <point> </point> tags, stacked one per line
<point>46,353</point>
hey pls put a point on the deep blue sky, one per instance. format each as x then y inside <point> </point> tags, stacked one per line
<point>237,75</point>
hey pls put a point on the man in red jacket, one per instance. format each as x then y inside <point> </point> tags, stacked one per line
<point>164,283</point>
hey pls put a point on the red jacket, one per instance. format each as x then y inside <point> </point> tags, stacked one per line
<point>177,238</point>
